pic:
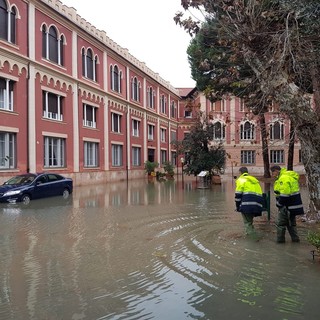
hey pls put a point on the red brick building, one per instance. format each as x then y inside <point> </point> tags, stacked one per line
<point>73,101</point>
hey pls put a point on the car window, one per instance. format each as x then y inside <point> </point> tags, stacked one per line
<point>18,180</point>
<point>42,179</point>
<point>53,177</point>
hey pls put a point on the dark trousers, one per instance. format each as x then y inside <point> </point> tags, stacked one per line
<point>248,222</point>
<point>285,221</point>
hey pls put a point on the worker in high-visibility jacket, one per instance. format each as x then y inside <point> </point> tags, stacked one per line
<point>288,200</point>
<point>248,198</point>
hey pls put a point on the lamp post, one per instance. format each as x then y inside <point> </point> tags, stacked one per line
<point>182,164</point>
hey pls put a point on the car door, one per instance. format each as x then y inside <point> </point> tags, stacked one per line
<point>42,187</point>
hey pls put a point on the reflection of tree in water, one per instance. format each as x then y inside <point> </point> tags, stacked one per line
<point>290,299</point>
<point>249,287</point>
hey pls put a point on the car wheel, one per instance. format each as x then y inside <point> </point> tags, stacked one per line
<point>25,199</point>
<point>65,193</point>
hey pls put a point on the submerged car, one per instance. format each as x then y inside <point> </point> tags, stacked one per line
<point>23,188</point>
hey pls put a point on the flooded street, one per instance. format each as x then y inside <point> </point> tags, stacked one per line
<point>150,250</point>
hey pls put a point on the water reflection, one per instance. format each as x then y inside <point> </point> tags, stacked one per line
<point>149,250</point>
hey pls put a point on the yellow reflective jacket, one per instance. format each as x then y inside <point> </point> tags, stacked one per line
<point>248,195</point>
<point>287,191</point>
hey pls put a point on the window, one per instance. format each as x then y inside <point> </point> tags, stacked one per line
<point>6,94</point>
<point>150,132</point>
<point>7,22</point>
<point>174,158</point>
<point>89,64</point>
<point>163,133</point>
<point>276,156</point>
<point>52,45</point>
<point>277,130</point>
<point>248,157</point>
<point>136,156</point>
<point>241,105</point>
<point>7,150</point>
<point>116,122</point>
<point>173,136</point>
<point>187,114</point>
<point>247,131</point>
<point>135,89</point>
<point>117,152</point>
<point>163,156</point>
<point>89,116</point>
<point>151,155</point>
<point>173,111</point>
<point>52,106</point>
<point>218,131</point>
<point>163,104</point>
<point>116,76</point>
<point>135,127</point>
<point>54,152</point>
<point>150,98</point>
<point>91,158</point>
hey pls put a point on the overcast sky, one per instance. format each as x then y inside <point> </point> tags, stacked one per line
<point>146,28</point>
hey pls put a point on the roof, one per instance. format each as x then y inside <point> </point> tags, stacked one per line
<point>184,92</point>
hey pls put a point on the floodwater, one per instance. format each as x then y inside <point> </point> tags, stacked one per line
<point>150,250</point>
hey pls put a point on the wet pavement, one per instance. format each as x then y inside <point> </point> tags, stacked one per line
<point>150,250</point>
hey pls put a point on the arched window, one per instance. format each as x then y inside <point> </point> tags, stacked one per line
<point>247,131</point>
<point>89,64</point>
<point>115,75</point>
<point>150,97</point>
<point>52,45</point>
<point>135,89</point>
<point>163,104</point>
<point>277,130</point>
<point>218,131</point>
<point>7,22</point>
<point>173,110</point>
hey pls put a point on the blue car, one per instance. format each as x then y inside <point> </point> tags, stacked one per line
<point>23,188</point>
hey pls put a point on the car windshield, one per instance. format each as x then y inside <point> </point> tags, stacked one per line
<point>20,180</point>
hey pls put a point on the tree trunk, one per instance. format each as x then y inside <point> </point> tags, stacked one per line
<point>297,106</point>
<point>265,147</point>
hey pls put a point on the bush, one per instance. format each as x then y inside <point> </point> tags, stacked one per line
<point>314,239</point>
<point>150,167</point>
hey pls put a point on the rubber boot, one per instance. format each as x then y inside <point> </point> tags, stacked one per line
<point>281,231</point>
<point>293,233</point>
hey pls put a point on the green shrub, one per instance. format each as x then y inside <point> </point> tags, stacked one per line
<point>313,238</point>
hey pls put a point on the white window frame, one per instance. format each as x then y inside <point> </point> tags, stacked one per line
<point>117,155</point>
<point>52,115</point>
<point>6,96</point>
<point>281,130</point>
<point>116,122</point>
<point>7,150</point>
<point>247,134</point>
<point>277,156</point>
<point>135,128</point>
<point>222,131</point>
<point>91,154</point>
<point>163,134</point>
<point>248,156</point>
<point>136,156</point>
<point>54,152</point>
<point>151,129</point>
<point>89,123</point>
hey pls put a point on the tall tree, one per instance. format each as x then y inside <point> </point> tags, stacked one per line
<point>280,41</point>
<point>218,72</point>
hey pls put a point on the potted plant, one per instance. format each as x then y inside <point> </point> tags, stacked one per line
<point>168,169</point>
<point>150,167</point>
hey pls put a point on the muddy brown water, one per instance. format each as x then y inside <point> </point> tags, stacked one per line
<point>150,250</point>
